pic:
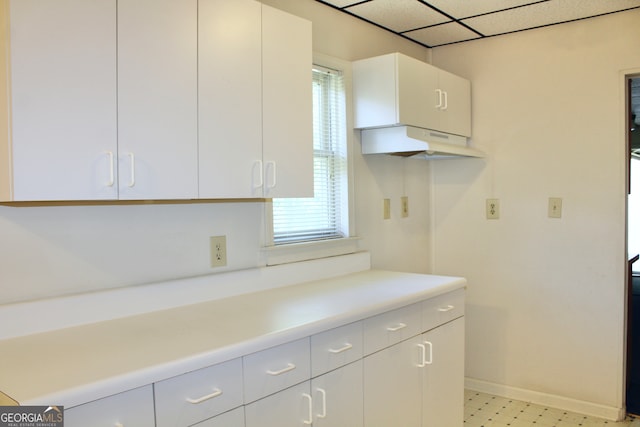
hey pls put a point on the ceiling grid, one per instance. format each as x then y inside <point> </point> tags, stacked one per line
<point>433,23</point>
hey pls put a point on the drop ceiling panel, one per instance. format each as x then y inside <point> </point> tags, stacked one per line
<point>542,14</point>
<point>451,32</point>
<point>398,15</point>
<point>422,22</point>
<point>467,8</point>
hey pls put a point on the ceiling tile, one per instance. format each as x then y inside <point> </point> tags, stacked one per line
<point>398,15</point>
<point>442,34</point>
<point>545,13</point>
<point>341,3</point>
<point>466,8</point>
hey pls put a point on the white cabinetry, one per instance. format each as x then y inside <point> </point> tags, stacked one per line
<point>443,386</point>
<point>395,89</point>
<point>230,98</point>
<point>157,99</point>
<point>61,102</point>
<point>255,118</point>
<point>287,105</point>
<point>131,408</point>
<point>420,380</point>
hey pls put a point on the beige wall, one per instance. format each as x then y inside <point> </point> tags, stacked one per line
<point>546,296</point>
<point>55,250</point>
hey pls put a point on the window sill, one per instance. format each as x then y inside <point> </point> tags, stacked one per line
<point>295,252</point>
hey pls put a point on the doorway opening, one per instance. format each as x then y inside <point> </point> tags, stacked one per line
<point>633,246</point>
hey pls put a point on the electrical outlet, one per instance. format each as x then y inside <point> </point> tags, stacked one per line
<point>386,209</point>
<point>404,209</point>
<point>493,208</point>
<point>555,207</point>
<point>218,245</point>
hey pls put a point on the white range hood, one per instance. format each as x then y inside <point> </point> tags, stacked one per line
<point>409,141</point>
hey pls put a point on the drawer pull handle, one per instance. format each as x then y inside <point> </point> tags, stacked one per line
<point>346,347</point>
<point>397,327</point>
<point>217,392</point>
<point>310,403</point>
<point>290,367</point>
<point>447,308</point>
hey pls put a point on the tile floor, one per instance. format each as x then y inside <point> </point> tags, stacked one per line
<point>485,410</point>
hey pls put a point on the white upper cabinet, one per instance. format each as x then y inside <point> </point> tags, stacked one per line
<point>395,89</point>
<point>287,105</point>
<point>157,99</point>
<point>154,100</point>
<point>230,98</point>
<point>60,57</point>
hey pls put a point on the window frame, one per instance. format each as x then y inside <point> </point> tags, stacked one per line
<point>301,251</point>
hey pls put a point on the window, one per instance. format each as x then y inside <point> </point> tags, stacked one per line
<point>325,216</point>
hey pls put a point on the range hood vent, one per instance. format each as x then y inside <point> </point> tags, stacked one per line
<point>410,141</point>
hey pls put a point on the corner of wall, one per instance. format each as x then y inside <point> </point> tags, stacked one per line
<point>5,110</point>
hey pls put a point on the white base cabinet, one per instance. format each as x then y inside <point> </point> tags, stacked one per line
<point>443,385</point>
<point>392,386</point>
<point>403,367</point>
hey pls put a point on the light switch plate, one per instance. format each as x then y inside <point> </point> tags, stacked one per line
<point>555,207</point>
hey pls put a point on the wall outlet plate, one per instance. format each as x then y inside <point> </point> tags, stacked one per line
<point>218,251</point>
<point>493,208</point>
<point>386,208</point>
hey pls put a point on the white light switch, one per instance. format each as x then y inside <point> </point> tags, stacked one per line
<point>555,207</point>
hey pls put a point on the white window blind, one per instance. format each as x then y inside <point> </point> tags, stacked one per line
<point>325,215</point>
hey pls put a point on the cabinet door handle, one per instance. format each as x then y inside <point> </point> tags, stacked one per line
<point>309,420</point>
<point>111,169</point>
<point>323,394</point>
<point>447,308</point>
<point>217,392</point>
<point>346,347</point>
<point>397,327</point>
<point>274,174</point>
<point>290,367</point>
<point>439,98</point>
<point>132,159</point>
<point>446,100</point>
<point>423,356</point>
<point>259,182</point>
<point>430,352</point>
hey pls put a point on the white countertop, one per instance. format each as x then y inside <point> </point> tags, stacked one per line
<point>82,363</point>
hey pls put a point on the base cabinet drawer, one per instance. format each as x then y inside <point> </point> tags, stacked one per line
<point>196,396</point>
<point>274,369</point>
<point>133,408</point>
<point>387,329</point>
<point>233,418</point>
<point>442,309</point>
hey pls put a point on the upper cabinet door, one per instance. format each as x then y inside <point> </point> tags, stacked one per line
<point>456,108</point>
<point>62,83</point>
<point>230,98</point>
<point>157,99</point>
<point>417,92</point>
<point>287,104</point>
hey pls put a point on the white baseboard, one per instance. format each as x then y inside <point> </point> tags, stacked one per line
<point>550,400</point>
